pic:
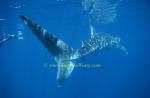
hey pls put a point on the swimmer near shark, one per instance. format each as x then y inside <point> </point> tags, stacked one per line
<point>7,37</point>
<point>64,54</point>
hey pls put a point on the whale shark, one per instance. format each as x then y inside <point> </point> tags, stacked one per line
<point>64,54</point>
<point>99,41</point>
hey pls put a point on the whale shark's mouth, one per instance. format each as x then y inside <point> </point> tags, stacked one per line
<point>64,54</point>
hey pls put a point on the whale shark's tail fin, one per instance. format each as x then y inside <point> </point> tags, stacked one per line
<point>60,50</point>
<point>49,40</point>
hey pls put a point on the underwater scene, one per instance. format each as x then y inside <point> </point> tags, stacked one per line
<point>74,49</point>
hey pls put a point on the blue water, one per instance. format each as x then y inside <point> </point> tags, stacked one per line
<point>22,70</point>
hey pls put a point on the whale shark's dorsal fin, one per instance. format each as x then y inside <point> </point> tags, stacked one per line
<point>60,50</point>
<point>93,31</point>
<point>83,43</point>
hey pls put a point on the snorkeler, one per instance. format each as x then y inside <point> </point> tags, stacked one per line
<point>17,36</point>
